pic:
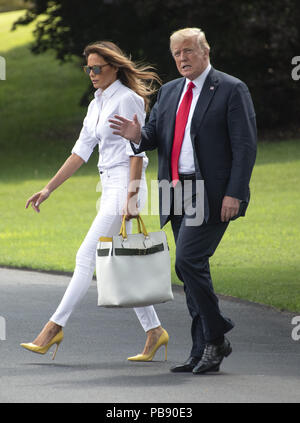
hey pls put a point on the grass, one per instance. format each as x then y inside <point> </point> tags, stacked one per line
<point>8,5</point>
<point>264,260</point>
<point>259,256</point>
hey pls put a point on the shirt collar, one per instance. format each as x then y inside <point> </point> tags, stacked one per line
<point>199,81</point>
<point>109,91</point>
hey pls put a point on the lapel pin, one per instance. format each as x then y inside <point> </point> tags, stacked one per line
<point>211,88</point>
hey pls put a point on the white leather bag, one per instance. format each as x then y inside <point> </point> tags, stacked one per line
<point>133,270</point>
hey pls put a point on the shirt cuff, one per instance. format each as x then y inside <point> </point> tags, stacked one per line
<point>137,145</point>
<point>132,148</point>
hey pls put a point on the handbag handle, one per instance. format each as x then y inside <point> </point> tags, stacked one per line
<point>141,227</point>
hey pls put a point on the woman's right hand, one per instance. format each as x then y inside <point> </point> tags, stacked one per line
<point>70,166</point>
<point>37,198</point>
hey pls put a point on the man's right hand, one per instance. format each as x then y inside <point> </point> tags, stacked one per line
<point>129,129</point>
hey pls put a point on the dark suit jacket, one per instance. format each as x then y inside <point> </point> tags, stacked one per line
<point>223,133</point>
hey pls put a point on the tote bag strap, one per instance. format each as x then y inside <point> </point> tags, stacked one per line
<point>141,226</point>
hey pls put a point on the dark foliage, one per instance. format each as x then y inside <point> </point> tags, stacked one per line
<point>252,40</point>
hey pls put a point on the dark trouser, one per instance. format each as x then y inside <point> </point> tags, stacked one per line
<point>194,246</point>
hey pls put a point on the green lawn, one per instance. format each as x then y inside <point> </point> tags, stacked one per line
<point>259,256</point>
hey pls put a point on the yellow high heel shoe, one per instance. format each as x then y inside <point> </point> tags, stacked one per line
<point>163,340</point>
<point>42,350</point>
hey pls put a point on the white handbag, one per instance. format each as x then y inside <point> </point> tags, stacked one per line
<point>133,270</point>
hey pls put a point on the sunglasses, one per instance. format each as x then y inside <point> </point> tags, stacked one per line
<point>96,69</point>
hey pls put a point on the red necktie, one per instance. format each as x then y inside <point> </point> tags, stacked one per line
<point>180,124</point>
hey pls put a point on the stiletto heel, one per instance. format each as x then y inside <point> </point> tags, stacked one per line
<point>54,353</point>
<point>42,350</point>
<point>163,340</point>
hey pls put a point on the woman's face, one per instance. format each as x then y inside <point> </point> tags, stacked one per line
<point>108,73</point>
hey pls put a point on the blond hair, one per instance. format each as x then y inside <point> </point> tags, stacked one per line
<point>183,34</point>
<point>140,78</point>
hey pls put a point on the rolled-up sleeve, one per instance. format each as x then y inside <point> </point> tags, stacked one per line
<point>129,106</point>
<point>86,142</point>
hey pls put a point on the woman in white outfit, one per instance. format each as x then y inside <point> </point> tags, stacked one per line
<point>121,89</point>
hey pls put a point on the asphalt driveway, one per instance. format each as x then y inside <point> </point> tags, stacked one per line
<point>91,364</point>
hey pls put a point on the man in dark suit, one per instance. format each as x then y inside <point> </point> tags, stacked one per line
<point>204,128</point>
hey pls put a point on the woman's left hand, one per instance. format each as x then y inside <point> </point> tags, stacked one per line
<point>130,209</point>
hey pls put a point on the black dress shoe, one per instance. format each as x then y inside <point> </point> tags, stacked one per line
<point>212,357</point>
<point>187,366</point>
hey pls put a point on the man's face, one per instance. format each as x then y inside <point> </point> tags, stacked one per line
<point>190,59</point>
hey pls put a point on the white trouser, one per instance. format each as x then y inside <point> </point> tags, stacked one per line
<point>106,223</point>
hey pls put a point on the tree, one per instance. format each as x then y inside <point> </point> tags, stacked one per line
<point>253,40</point>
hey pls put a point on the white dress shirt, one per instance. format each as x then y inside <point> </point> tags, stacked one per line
<point>186,158</point>
<point>114,150</point>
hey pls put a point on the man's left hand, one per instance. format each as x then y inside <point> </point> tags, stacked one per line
<point>230,208</point>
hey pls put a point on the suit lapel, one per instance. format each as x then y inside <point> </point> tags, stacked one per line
<point>208,91</point>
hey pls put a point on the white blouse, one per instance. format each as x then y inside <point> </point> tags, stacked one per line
<point>114,150</point>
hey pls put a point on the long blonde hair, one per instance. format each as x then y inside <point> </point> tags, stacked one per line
<point>138,77</point>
